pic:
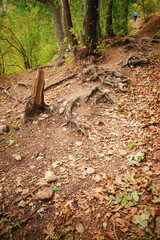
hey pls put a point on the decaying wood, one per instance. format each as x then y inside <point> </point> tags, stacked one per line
<point>70,120</point>
<point>23,84</point>
<point>134,61</point>
<point>35,104</point>
<point>62,80</point>
<point>40,67</point>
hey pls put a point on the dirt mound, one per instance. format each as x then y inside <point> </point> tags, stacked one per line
<point>151,27</point>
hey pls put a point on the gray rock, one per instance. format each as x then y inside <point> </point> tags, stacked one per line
<point>78,144</point>
<point>90,170</point>
<point>22,204</point>
<point>61,110</point>
<point>50,176</point>
<point>41,210</point>
<point>18,157</point>
<point>80,228</point>
<point>45,193</point>
<point>4,128</point>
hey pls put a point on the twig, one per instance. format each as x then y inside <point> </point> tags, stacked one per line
<point>114,228</point>
<point>62,80</point>
<point>23,84</point>
<point>40,67</point>
<point>9,95</point>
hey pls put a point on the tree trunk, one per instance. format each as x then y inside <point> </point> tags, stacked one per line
<point>109,29</point>
<point>91,21</point>
<point>125,27</point>
<point>67,22</point>
<point>54,6</point>
<point>35,104</point>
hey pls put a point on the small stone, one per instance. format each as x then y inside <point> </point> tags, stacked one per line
<point>145,169</point>
<point>22,204</point>
<point>78,144</point>
<point>90,170</point>
<point>18,158</point>
<point>50,176</point>
<point>41,210</point>
<point>97,178</point>
<point>44,115</point>
<point>40,158</point>
<point>56,213</point>
<point>80,228</point>
<point>11,142</point>
<point>65,103</point>
<point>61,110</point>
<point>4,128</point>
<point>45,193</point>
<point>32,167</point>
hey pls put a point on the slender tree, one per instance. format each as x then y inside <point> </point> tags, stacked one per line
<point>67,22</point>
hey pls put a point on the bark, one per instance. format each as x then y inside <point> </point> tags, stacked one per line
<point>53,5</point>
<point>67,22</point>
<point>109,29</point>
<point>91,21</point>
<point>125,27</point>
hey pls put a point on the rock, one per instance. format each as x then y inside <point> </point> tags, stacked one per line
<point>22,203</point>
<point>50,176</point>
<point>61,110</point>
<point>40,158</point>
<point>145,169</point>
<point>90,170</point>
<point>44,115</point>
<point>97,178</point>
<point>41,210</point>
<point>18,157</point>
<point>4,128</point>
<point>80,228</point>
<point>45,193</point>
<point>65,103</point>
<point>11,142</point>
<point>42,182</point>
<point>78,144</point>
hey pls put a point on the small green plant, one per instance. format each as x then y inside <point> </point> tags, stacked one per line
<point>131,145</point>
<point>10,228</point>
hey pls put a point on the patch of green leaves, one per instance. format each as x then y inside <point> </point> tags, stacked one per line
<point>131,145</point>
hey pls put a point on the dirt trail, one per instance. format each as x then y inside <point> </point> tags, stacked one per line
<point>91,172</point>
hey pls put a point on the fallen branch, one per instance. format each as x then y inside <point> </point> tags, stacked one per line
<point>71,120</point>
<point>5,90</point>
<point>23,84</point>
<point>114,228</point>
<point>62,80</point>
<point>40,67</point>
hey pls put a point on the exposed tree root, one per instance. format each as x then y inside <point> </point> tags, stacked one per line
<point>92,91</point>
<point>104,96</point>
<point>62,80</point>
<point>71,120</point>
<point>134,61</point>
<point>41,67</point>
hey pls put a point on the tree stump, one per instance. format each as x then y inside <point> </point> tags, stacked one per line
<point>35,105</point>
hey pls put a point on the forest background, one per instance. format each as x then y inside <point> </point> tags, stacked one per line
<point>28,37</point>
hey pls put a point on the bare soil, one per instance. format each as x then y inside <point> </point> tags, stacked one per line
<point>128,125</point>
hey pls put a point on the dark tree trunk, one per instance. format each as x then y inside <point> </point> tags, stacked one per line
<point>53,5</point>
<point>109,29</point>
<point>125,27</point>
<point>91,21</point>
<point>67,23</point>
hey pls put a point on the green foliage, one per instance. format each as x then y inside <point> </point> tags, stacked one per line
<point>30,29</point>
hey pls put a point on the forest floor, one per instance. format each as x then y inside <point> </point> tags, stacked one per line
<point>107,183</point>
